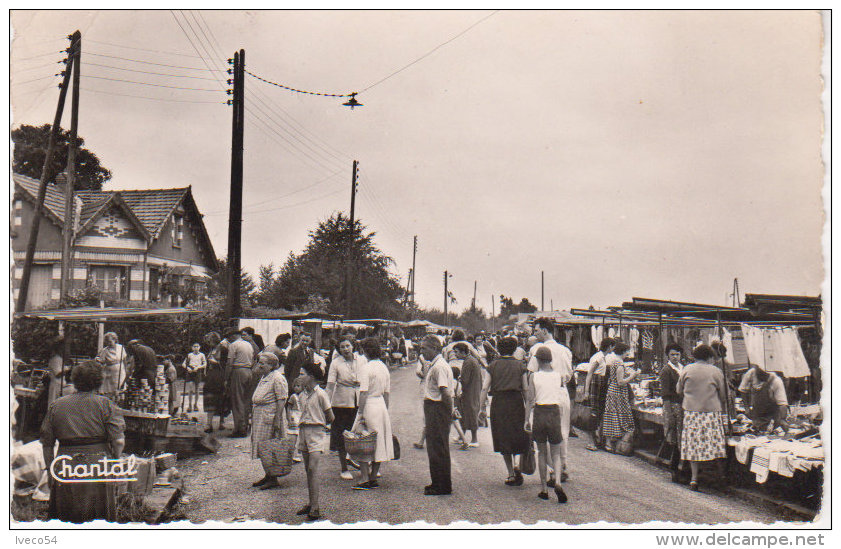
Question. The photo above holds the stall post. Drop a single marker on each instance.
(662, 340)
(724, 371)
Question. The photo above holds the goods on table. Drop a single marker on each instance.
(772, 453)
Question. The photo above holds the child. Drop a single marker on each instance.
(293, 417)
(194, 364)
(544, 398)
(316, 413)
(171, 377)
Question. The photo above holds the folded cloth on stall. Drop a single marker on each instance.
(760, 464)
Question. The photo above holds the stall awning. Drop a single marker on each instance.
(95, 314)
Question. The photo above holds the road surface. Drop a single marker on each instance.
(602, 487)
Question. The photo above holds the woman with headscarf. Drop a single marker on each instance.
(702, 386)
(374, 390)
(268, 407)
(214, 399)
(113, 359)
(90, 424)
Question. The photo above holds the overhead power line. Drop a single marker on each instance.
(433, 50)
(150, 62)
(140, 49)
(150, 84)
(150, 72)
(297, 90)
(152, 98)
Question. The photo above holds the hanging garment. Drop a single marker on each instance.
(647, 340)
(596, 335)
(760, 464)
(776, 350)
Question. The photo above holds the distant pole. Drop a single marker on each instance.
(473, 306)
(233, 302)
(67, 243)
(493, 315)
(446, 298)
(353, 185)
(414, 269)
(42, 191)
(551, 304)
(541, 291)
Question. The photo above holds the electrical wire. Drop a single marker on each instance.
(38, 56)
(52, 64)
(267, 101)
(34, 80)
(297, 90)
(149, 62)
(140, 49)
(433, 50)
(152, 98)
(150, 72)
(296, 191)
(337, 191)
(149, 84)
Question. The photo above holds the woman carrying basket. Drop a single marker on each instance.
(374, 387)
(268, 409)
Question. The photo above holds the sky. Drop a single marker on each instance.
(622, 153)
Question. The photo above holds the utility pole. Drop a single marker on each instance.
(69, 225)
(551, 304)
(541, 291)
(473, 303)
(42, 190)
(493, 315)
(446, 299)
(414, 271)
(233, 305)
(350, 256)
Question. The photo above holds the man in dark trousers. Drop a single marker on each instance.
(240, 360)
(438, 415)
(145, 362)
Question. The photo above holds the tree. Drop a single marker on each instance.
(317, 275)
(218, 284)
(31, 151)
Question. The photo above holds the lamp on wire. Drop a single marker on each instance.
(352, 102)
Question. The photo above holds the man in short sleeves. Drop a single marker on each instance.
(438, 415)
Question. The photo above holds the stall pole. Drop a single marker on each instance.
(724, 370)
(662, 340)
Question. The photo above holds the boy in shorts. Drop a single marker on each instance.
(194, 364)
(316, 413)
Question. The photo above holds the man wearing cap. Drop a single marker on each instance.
(766, 396)
(438, 415)
(561, 363)
(240, 360)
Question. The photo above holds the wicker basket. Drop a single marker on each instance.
(276, 455)
(360, 448)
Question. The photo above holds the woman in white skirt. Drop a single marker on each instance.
(374, 389)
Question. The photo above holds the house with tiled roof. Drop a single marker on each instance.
(125, 242)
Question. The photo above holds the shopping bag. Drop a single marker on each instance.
(528, 463)
(276, 455)
(396, 447)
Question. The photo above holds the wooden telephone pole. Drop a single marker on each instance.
(414, 270)
(69, 225)
(350, 253)
(233, 304)
(542, 308)
(446, 299)
(35, 226)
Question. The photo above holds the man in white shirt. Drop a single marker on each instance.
(561, 363)
(438, 416)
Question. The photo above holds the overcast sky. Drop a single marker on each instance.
(654, 154)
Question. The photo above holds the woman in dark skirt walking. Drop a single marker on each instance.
(213, 393)
(509, 378)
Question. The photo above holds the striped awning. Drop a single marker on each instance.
(100, 314)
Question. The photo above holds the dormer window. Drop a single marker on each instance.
(177, 230)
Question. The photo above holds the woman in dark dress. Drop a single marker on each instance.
(213, 393)
(509, 378)
(471, 392)
(83, 423)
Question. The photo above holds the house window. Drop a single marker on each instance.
(18, 212)
(177, 230)
(154, 285)
(111, 279)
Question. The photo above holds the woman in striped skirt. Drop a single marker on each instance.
(618, 419)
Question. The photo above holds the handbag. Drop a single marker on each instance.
(276, 455)
(396, 447)
(528, 464)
